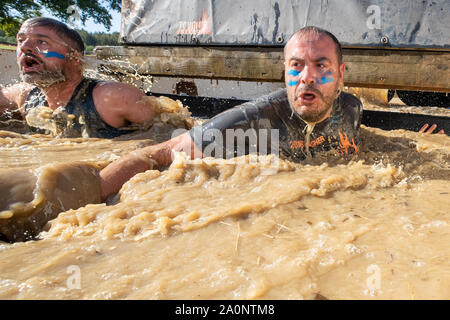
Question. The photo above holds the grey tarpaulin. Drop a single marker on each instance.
(358, 23)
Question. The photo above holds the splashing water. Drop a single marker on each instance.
(117, 70)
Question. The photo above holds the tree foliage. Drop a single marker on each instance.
(6, 39)
(98, 39)
(14, 12)
(90, 39)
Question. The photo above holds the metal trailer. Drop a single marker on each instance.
(403, 44)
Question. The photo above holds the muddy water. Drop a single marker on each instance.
(372, 227)
(42, 175)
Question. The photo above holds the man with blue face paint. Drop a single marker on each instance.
(312, 116)
(49, 56)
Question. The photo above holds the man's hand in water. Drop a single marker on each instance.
(430, 129)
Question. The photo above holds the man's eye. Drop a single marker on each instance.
(296, 65)
(42, 42)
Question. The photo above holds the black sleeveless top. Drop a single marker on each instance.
(81, 105)
(269, 125)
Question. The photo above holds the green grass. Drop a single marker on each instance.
(7, 47)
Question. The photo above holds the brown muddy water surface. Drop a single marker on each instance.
(373, 227)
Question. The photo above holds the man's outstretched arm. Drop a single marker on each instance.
(120, 171)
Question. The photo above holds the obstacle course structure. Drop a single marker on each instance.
(399, 45)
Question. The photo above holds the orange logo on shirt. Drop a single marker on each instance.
(345, 144)
(294, 144)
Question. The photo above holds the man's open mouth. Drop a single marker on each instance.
(308, 97)
(30, 64)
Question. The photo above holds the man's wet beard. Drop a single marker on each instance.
(43, 79)
(316, 115)
(313, 116)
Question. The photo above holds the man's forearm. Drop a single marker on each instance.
(117, 173)
(120, 171)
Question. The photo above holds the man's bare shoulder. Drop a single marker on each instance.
(118, 103)
(115, 89)
(116, 97)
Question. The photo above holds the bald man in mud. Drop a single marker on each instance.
(50, 59)
(311, 116)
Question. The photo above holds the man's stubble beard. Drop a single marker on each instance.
(313, 116)
(44, 78)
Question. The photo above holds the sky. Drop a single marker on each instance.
(93, 27)
(90, 26)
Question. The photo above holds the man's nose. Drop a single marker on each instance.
(307, 76)
(26, 45)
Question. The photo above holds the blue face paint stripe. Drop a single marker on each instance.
(293, 72)
(322, 80)
(53, 54)
(325, 79)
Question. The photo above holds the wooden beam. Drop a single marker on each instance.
(196, 62)
(398, 69)
(378, 68)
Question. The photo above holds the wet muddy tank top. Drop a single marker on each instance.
(269, 125)
(81, 105)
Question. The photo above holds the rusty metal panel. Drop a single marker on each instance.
(357, 23)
